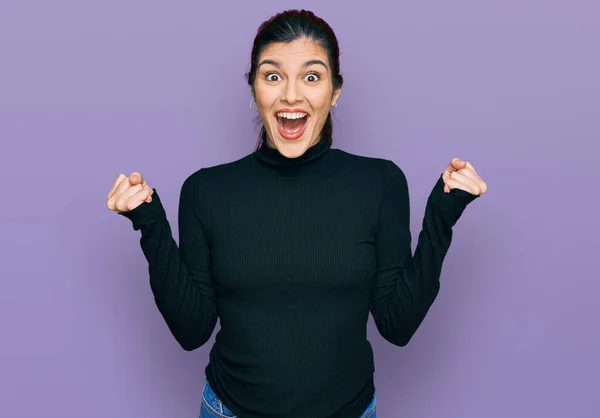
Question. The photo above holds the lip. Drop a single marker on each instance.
(299, 133)
(288, 110)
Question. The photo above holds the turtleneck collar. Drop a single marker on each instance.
(273, 157)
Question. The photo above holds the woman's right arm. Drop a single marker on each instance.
(179, 275)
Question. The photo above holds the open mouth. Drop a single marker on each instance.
(291, 125)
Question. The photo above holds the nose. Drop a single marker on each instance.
(291, 93)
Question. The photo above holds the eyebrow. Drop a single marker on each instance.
(306, 64)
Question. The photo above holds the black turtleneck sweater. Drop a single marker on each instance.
(291, 255)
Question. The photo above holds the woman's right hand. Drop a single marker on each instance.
(127, 193)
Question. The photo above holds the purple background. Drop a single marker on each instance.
(92, 89)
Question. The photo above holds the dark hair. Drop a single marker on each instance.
(289, 26)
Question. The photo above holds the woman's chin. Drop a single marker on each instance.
(292, 148)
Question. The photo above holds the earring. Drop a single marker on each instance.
(251, 103)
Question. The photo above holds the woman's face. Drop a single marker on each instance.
(293, 92)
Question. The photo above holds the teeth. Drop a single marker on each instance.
(291, 115)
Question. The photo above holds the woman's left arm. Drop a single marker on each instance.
(406, 285)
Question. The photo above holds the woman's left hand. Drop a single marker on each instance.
(462, 175)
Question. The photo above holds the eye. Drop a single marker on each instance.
(269, 76)
(312, 77)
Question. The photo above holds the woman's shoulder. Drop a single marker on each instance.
(377, 166)
(219, 173)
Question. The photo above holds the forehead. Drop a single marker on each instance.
(295, 52)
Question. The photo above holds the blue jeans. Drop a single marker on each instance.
(212, 407)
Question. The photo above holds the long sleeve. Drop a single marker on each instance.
(407, 285)
(179, 276)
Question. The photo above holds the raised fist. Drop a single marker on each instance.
(461, 174)
(127, 193)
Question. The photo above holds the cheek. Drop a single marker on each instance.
(264, 104)
(320, 107)
(320, 100)
(265, 97)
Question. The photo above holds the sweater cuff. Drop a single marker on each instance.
(450, 205)
(146, 213)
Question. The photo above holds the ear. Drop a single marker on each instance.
(336, 96)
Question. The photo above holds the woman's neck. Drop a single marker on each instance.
(270, 155)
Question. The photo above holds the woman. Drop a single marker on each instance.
(293, 245)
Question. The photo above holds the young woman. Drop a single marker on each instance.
(293, 245)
